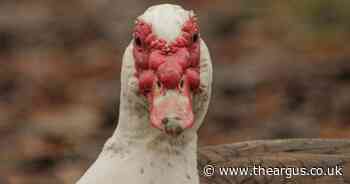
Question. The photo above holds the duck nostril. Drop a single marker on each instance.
(165, 121)
(172, 126)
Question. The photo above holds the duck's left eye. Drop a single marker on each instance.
(195, 38)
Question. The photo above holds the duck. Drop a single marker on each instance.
(166, 79)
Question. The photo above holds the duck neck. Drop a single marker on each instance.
(170, 158)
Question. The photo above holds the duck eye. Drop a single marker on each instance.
(159, 84)
(181, 83)
(195, 38)
(138, 42)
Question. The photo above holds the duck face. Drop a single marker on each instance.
(168, 73)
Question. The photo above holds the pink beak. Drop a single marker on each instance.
(171, 112)
(171, 100)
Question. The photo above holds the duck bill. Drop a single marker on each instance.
(171, 110)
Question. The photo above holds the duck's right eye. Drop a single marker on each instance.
(138, 41)
(181, 84)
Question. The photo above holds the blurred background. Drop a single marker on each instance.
(281, 70)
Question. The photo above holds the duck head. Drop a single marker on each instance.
(172, 67)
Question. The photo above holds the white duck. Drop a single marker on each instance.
(165, 90)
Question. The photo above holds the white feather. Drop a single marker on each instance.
(166, 20)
